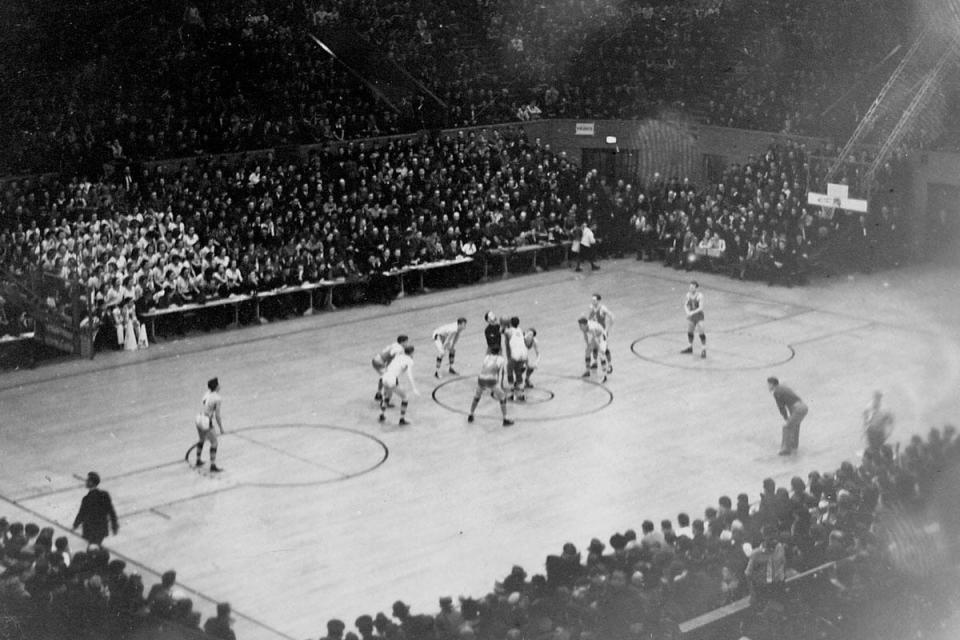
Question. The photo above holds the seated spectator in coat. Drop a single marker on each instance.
(220, 626)
(766, 569)
(161, 598)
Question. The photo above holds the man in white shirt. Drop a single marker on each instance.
(587, 243)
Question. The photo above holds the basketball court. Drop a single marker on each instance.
(323, 512)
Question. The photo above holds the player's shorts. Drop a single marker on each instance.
(517, 367)
(694, 320)
(389, 382)
(493, 386)
(440, 344)
(205, 430)
(378, 364)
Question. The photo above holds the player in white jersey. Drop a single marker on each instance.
(599, 312)
(595, 338)
(533, 355)
(445, 339)
(382, 359)
(693, 307)
(205, 422)
(491, 379)
(516, 357)
(401, 363)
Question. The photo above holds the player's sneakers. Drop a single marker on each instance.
(507, 423)
(586, 374)
(604, 380)
(470, 418)
(378, 397)
(453, 371)
(403, 422)
(688, 350)
(784, 452)
(593, 365)
(528, 385)
(382, 418)
(703, 353)
(520, 397)
(200, 463)
(215, 469)
(609, 368)
(436, 374)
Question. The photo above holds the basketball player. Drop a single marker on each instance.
(382, 359)
(599, 312)
(445, 339)
(491, 379)
(596, 340)
(491, 332)
(401, 363)
(693, 307)
(793, 411)
(517, 358)
(205, 422)
(533, 347)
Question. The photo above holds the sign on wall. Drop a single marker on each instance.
(586, 129)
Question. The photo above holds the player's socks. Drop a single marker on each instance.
(403, 409)
(214, 468)
(213, 458)
(703, 353)
(473, 405)
(382, 417)
(200, 453)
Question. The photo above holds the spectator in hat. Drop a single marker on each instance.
(448, 621)
(219, 627)
(335, 629)
(96, 512)
(364, 625)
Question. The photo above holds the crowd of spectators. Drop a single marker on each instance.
(872, 521)
(228, 76)
(169, 237)
(47, 590)
(754, 221)
(153, 238)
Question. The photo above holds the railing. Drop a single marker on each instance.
(705, 624)
(490, 262)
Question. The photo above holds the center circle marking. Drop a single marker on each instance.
(367, 465)
(604, 397)
(731, 351)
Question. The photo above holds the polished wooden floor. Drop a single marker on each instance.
(323, 512)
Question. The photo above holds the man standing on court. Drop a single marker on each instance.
(693, 307)
(207, 422)
(96, 512)
(793, 411)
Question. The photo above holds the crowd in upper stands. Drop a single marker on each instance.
(640, 585)
(227, 76)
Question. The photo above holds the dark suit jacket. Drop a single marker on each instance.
(96, 512)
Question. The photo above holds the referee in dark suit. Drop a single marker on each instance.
(96, 512)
